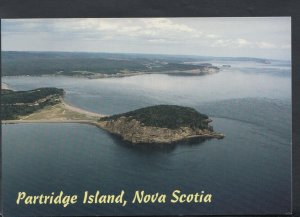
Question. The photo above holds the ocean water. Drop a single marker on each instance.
(248, 172)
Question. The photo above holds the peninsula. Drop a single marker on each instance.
(159, 124)
(41, 105)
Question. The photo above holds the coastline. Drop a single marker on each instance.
(130, 130)
(79, 110)
(121, 75)
(207, 135)
(137, 133)
(46, 121)
(59, 113)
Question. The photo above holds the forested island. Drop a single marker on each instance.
(160, 124)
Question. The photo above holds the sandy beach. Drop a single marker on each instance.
(79, 110)
(49, 121)
(59, 113)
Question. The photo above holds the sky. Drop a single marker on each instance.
(262, 37)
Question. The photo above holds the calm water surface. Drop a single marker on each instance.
(248, 172)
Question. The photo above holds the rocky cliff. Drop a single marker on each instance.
(136, 131)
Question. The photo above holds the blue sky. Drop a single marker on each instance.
(266, 37)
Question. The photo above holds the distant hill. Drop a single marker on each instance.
(56, 63)
(91, 64)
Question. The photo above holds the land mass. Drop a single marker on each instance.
(161, 124)
(41, 105)
(97, 65)
(19, 103)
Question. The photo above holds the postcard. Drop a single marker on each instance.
(146, 116)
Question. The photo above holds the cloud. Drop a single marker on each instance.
(242, 42)
(265, 45)
(149, 29)
(189, 35)
(213, 36)
(165, 24)
(221, 43)
(159, 40)
(143, 29)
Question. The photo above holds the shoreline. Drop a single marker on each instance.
(87, 122)
(131, 131)
(78, 115)
(79, 110)
(47, 121)
(77, 76)
(122, 75)
(98, 125)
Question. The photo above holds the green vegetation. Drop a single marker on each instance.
(18, 103)
(39, 63)
(176, 66)
(167, 116)
(87, 64)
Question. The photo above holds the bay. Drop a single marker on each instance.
(248, 172)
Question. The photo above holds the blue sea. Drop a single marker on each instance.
(247, 172)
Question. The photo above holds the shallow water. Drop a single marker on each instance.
(248, 172)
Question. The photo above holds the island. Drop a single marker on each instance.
(158, 124)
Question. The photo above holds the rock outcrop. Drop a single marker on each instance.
(135, 132)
